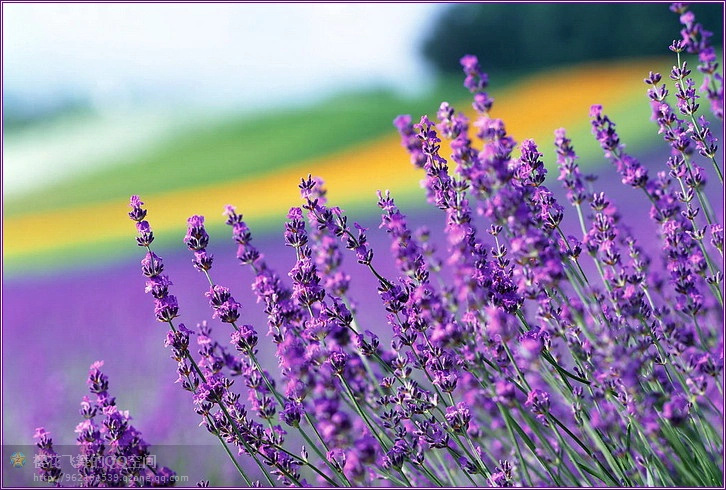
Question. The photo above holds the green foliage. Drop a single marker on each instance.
(525, 36)
(241, 146)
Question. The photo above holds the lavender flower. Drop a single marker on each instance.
(515, 359)
(47, 460)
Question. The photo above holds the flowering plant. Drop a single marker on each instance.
(525, 357)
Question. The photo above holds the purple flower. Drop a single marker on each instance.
(476, 80)
(158, 285)
(396, 456)
(604, 130)
(145, 235)
(97, 381)
(676, 410)
(137, 212)
(409, 140)
(717, 236)
(338, 361)
(483, 102)
(46, 460)
(217, 295)
(246, 252)
(458, 417)
(228, 311)
(197, 240)
(570, 174)
(178, 340)
(306, 281)
(292, 413)
(538, 402)
(151, 265)
(166, 308)
(519, 308)
(502, 477)
(196, 237)
(295, 235)
(505, 392)
(244, 339)
(202, 260)
(108, 450)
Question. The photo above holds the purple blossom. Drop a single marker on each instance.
(109, 450)
(47, 461)
(166, 308)
(196, 237)
(137, 213)
(570, 174)
(145, 235)
(676, 410)
(476, 80)
(197, 240)
(244, 338)
(538, 402)
(602, 349)
(458, 417)
(409, 140)
(151, 265)
(228, 311)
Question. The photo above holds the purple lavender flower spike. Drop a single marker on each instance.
(676, 410)
(502, 477)
(110, 450)
(458, 417)
(409, 140)
(196, 237)
(145, 235)
(244, 338)
(47, 461)
(137, 213)
(476, 80)
(197, 240)
(166, 308)
(538, 402)
(152, 265)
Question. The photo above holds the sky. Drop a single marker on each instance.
(218, 55)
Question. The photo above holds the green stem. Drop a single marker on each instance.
(361, 413)
(305, 463)
(522, 462)
(548, 357)
(234, 460)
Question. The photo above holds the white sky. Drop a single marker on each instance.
(141, 64)
(213, 54)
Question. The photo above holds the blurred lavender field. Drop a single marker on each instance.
(60, 323)
(252, 118)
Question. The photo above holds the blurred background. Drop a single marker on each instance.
(194, 106)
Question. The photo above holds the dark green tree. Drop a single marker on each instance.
(525, 36)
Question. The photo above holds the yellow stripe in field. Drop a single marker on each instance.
(531, 108)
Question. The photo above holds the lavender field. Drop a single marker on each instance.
(538, 316)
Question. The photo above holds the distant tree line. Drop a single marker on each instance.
(533, 35)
